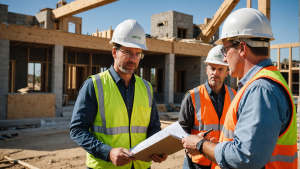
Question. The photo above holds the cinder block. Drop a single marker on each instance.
(4, 49)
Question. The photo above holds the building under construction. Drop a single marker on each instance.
(39, 55)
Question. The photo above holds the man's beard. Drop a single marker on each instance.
(122, 67)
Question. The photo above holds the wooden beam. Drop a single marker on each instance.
(190, 49)
(278, 59)
(249, 3)
(290, 70)
(264, 6)
(209, 29)
(76, 7)
(287, 45)
(66, 73)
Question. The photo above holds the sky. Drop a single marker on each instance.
(284, 13)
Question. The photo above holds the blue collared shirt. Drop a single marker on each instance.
(85, 111)
(263, 114)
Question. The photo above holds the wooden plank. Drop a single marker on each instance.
(45, 36)
(191, 49)
(290, 70)
(40, 135)
(209, 29)
(66, 72)
(159, 45)
(278, 59)
(76, 7)
(22, 163)
(74, 19)
(264, 6)
(249, 3)
(30, 106)
(287, 45)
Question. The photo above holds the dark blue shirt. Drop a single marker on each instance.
(216, 99)
(85, 111)
(187, 118)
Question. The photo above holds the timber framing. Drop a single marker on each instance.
(212, 26)
(35, 37)
(76, 7)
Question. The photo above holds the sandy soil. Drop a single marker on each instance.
(58, 150)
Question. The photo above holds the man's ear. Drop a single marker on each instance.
(114, 53)
(243, 49)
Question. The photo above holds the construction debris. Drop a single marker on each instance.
(20, 162)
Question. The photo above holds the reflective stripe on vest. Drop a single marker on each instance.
(284, 154)
(116, 130)
(201, 127)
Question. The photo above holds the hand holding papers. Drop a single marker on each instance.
(167, 141)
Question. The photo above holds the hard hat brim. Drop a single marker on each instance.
(130, 45)
(216, 62)
(220, 41)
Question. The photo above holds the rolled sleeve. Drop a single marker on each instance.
(260, 120)
(84, 113)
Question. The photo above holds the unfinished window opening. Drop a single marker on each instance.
(284, 58)
(180, 81)
(182, 33)
(72, 27)
(295, 57)
(42, 24)
(162, 24)
(104, 68)
(95, 70)
(34, 76)
(274, 56)
(156, 77)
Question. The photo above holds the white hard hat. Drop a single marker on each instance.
(129, 34)
(215, 56)
(246, 23)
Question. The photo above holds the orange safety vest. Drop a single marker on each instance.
(285, 152)
(206, 116)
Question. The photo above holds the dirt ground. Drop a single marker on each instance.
(52, 147)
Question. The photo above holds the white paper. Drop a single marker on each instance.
(174, 129)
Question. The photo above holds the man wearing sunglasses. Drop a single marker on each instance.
(260, 129)
(116, 110)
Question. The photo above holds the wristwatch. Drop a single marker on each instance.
(200, 145)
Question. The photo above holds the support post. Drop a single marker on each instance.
(264, 6)
(4, 68)
(290, 70)
(57, 77)
(249, 3)
(169, 78)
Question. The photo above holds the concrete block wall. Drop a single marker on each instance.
(57, 77)
(192, 66)
(169, 78)
(184, 21)
(174, 20)
(4, 68)
(203, 75)
(20, 19)
(162, 31)
(3, 13)
(46, 17)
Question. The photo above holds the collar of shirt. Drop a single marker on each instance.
(253, 71)
(116, 76)
(209, 90)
